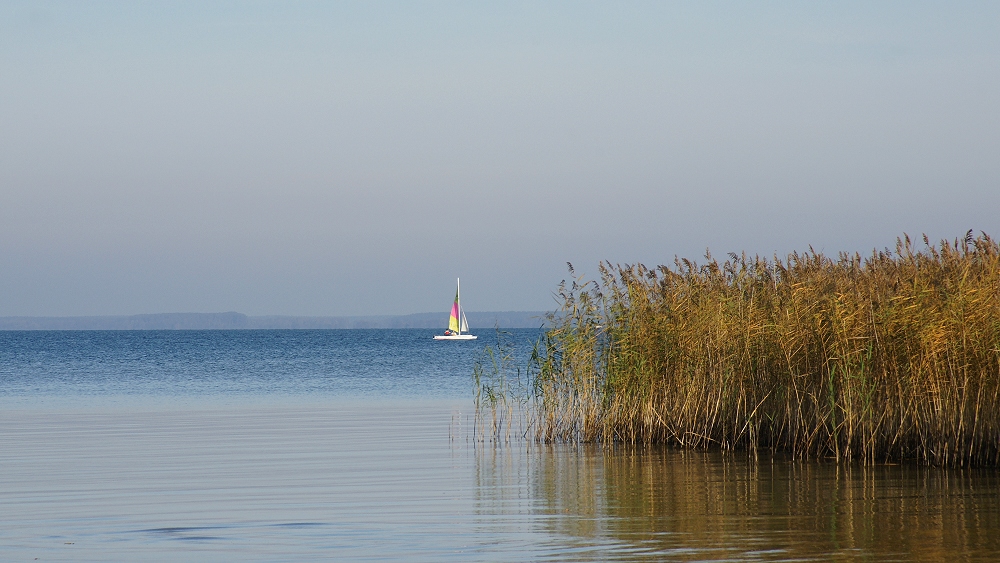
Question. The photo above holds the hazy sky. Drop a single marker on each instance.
(315, 158)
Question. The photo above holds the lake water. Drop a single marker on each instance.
(356, 445)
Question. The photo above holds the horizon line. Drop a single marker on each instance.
(235, 320)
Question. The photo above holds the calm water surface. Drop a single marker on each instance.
(356, 445)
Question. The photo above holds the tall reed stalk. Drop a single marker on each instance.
(889, 357)
(502, 395)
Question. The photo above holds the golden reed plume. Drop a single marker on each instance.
(889, 357)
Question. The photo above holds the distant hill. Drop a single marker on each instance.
(229, 321)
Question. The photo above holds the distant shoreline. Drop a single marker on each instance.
(238, 321)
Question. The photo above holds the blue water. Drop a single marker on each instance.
(360, 445)
(81, 366)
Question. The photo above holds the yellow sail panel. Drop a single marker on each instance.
(453, 319)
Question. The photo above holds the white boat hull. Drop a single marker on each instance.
(455, 337)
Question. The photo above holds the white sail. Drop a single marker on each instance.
(465, 323)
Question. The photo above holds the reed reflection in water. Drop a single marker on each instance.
(405, 481)
(660, 504)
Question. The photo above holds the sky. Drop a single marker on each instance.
(355, 158)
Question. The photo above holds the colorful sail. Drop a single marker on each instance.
(455, 313)
(457, 323)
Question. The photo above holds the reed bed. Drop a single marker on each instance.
(895, 356)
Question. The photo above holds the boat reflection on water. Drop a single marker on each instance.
(665, 504)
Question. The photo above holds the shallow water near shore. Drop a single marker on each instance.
(298, 446)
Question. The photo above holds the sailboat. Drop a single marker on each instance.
(456, 322)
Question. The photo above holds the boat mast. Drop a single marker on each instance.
(458, 300)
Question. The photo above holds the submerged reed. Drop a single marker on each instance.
(890, 357)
